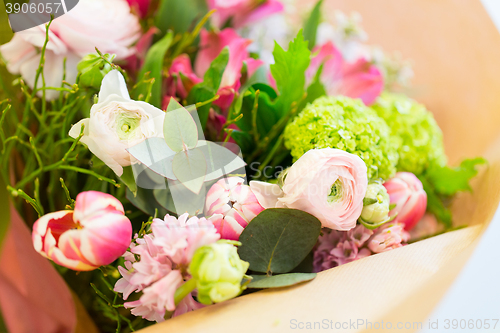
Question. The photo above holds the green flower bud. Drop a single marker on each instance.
(218, 271)
(376, 204)
(93, 69)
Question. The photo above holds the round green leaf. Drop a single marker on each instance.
(179, 128)
(190, 168)
(278, 239)
(277, 281)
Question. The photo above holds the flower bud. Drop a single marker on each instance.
(218, 271)
(407, 193)
(93, 69)
(375, 205)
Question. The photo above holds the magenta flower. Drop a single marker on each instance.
(406, 191)
(358, 79)
(242, 12)
(231, 205)
(140, 6)
(96, 233)
(164, 256)
(181, 77)
(211, 45)
(388, 237)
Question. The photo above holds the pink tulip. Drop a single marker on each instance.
(231, 205)
(96, 233)
(242, 12)
(177, 84)
(358, 79)
(406, 191)
(211, 45)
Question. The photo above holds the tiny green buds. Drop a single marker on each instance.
(218, 271)
(93, 68)
(375, 206)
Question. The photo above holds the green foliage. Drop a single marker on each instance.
(289, 72)
(6, 33)
(278, 239)
(5, 217)
(207, 89)
(311, 25)
(414, 130)
(154, 65)
(347, 124)
(93, 68)
(179, 16)
(279, 281)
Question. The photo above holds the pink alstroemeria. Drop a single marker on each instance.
(358, 79)
(140, 6)
(211, 45)
(406, 191)
(231, 205)
(96, 233)
(242, 12)
(181, 77)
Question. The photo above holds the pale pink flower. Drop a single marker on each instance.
(346, 252)
(242, 12)
(231, 205)
(357, 79)
(359, 235)
(388, 237)
(211, 44)
(427, 226)
(406, 191)
(186, 305)
(181, 77)
(96, 233)
(329, 184)
(164, 256)
(112, 29)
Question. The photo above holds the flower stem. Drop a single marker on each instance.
(184, 290)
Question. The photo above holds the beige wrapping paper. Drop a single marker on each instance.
(456, 51)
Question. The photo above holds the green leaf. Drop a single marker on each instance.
(145, 201)
(179, 129)
(190, 168)
(278, 281)
(311, 25)
(6, 33)
(154, 65)
(207, 89)
(156, 155)
(5, 209)
(316, 89)
(278, 239)
(179, 16)
(436, 204)
(244, 141)
(448, 181)
(268, 112)
(128, 179)
(289, 71)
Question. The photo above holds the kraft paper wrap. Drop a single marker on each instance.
(456, 52)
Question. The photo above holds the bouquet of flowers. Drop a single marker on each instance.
(171, 155)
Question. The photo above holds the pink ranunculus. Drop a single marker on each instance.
(140, 6)
(329, 184)
(357, 79)
(406, 191)
(112, 29)
(96, 233)
(242, 12)
(181, 77)
(211, 45)
(157, 262)
(231, 205)
(388, 237)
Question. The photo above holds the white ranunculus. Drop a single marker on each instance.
(108, 25)
(117, 122)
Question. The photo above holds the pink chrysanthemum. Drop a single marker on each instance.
(163, 258)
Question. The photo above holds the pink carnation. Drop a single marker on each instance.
(164, 255)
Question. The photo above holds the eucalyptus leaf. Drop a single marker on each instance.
(128, 179)
(179, 128)
(278, 281)
(219, 160)
(278, 239)
(145, 201)
(154, 64)
(190, 168)
(156, 155)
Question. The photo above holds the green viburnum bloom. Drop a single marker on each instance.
(419, 138)
(375, 205)
(347, 124)
(218, 271)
